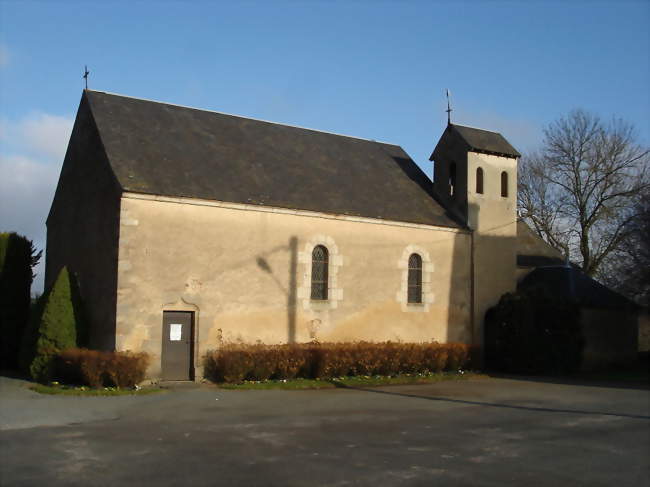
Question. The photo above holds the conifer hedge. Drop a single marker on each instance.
(18, 257)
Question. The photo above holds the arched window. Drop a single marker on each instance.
(452, 178)
(415, 279)
(319, 272)
(504, 184)
(479, 181)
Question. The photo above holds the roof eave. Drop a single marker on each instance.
(493, 153)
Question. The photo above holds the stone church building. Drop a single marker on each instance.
(188, 228)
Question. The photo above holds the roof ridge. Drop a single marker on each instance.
(241, 116)
(476, 128)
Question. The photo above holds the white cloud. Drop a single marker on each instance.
(31, 156)
(42, 134)
(4, 56)
(26, 191)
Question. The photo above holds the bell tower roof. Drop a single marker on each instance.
(479, 140)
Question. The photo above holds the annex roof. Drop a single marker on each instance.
(170, 150)
(571, 283)
(532, 251)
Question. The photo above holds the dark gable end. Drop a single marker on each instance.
(85, 166)
(83, 227)
(168, 150)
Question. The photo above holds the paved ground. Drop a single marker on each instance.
(481, 432)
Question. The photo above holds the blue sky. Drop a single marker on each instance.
(376, 70)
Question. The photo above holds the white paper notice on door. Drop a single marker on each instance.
(175, 332)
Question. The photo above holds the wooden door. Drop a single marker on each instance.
(177, 345)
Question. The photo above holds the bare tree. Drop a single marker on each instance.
(578, 191)
(629, 270)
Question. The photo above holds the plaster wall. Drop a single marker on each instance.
(494, 221)
(245, 272)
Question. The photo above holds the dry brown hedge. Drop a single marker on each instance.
(96, 368)
(238, 362)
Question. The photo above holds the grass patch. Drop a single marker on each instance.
(355, 381)
(405, 379)
(64, 390)
(289, 384)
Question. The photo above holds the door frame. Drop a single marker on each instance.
(184, 306)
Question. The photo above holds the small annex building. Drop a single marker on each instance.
(189, 228)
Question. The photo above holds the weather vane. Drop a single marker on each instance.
(86, 73)
(449, 110)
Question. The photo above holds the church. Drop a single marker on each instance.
(189, 228)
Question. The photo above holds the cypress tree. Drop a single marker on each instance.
(57, 324)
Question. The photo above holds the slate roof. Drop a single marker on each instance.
(571, 283)
(479, 140)
(537, 260)
(169, 150)
(532, 251)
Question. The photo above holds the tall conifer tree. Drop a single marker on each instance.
(57, 325)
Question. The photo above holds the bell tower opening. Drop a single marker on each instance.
(452, 178)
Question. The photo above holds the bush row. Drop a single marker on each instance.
(238, 362)
(95, 368)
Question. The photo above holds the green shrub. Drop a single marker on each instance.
(18, 257)
(234, 363)
(96, 369)
(530, 332)
(57, 324)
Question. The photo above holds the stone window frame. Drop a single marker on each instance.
(428, 296)
(414, 294)
(320, 286)
(334, 292)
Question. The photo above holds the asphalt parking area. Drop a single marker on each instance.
(477, 432)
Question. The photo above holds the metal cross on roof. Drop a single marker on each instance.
(449, 110)
(86, 73)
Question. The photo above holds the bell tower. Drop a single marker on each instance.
(475, 179)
